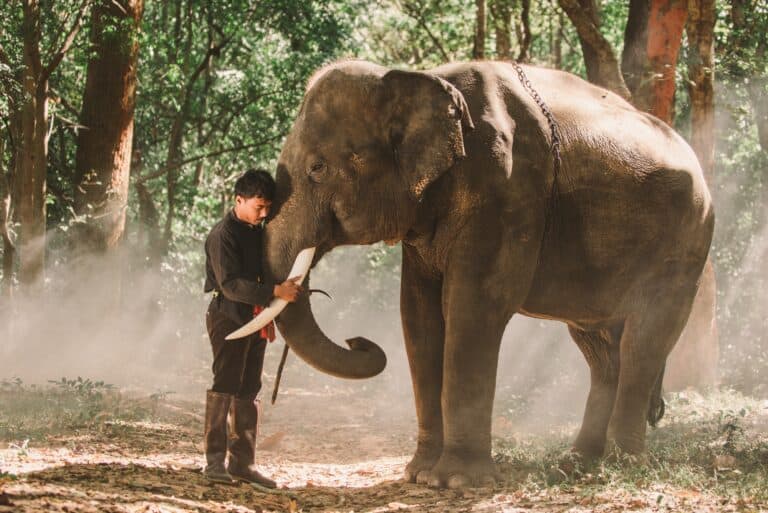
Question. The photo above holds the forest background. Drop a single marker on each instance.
(123, 125)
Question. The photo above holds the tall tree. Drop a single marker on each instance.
(501, 12)
(701, 81)
(9, 89)
(525, 36)
(9, 249)
(652, 41)
(104, 145)
(478, 50)
(601, 62)
(33, 141)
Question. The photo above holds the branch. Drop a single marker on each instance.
(607, 74)
(55, 60)
(176, 165)
(54, 96)
(417, 15)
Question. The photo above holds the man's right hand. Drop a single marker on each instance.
(289, 290)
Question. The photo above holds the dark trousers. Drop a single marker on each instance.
(237, 364)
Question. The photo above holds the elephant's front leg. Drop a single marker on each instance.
(469, 381)
(424, 331)
(483, 286)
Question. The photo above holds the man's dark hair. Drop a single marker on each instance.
(255, 182)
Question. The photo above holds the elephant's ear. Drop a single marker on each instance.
(426, 117)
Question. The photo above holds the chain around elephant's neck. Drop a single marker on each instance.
(555, 134)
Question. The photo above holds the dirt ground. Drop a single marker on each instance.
(328, 451)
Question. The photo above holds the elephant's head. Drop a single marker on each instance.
(366, 144)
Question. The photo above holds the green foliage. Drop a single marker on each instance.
(31, 412)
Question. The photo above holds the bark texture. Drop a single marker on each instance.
(478, 51)
(9, 250)
(501, 10)
(104, 147)
(601, 62)
(701, 79)
(655, 89)
(33, 151)
(525, 31)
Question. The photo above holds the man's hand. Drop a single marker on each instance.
(289, 290)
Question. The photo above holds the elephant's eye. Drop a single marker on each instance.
(316, 171)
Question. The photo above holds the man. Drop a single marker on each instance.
(234, 274)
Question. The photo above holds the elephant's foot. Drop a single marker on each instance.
(452, 471)
(423, 461)
(625, 452)
(588, 450)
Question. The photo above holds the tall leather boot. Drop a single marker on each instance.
(242, 446)
(216, 410)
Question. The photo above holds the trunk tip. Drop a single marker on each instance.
(378, 356)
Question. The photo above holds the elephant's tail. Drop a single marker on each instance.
(657, 407)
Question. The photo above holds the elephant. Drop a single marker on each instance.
(457, 164)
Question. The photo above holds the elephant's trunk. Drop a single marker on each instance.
(298, 326)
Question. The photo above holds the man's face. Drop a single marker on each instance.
(252, 210)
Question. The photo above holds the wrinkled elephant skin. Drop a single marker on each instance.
(456, 163)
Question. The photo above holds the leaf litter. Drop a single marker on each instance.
(327, 454)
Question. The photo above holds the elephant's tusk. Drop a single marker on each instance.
(300, 268)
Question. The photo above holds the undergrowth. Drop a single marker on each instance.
(34, 412)
(717, 442)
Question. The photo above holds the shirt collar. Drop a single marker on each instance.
(234, 218)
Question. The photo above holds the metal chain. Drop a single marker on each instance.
(555, 141)
(547, 114)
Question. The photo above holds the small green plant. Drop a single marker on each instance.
(31, 412)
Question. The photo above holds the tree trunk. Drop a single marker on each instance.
(651, 43)
(701, 78)
(602, 65)
(33, 152)
(558, 49)
(9, 250)
(501, 10)
(104, 147)
(694, 360)
(174, 154)
(478, 51)
(525, 32)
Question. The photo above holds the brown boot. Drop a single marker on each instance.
(242, 446)
(216, 410)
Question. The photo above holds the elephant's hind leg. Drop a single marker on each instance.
(601, 350)
(424, 331)
(648, 338)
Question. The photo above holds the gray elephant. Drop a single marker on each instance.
(457, 164)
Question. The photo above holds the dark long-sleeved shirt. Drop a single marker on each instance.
(233, 269)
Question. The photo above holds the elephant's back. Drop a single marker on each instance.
(601, 133)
